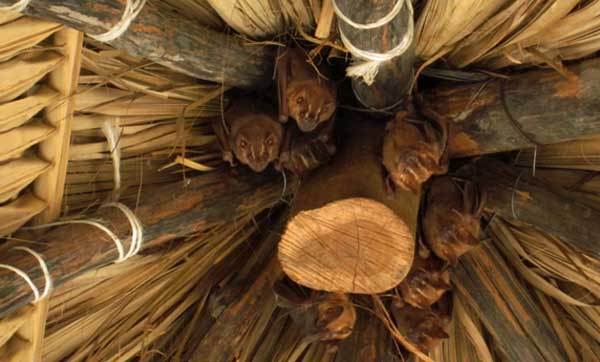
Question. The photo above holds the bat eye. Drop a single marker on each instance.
(270, 142)
(300, 100)
(243, 144)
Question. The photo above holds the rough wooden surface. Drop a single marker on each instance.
(395, 76)
(518, 326)
(166, 213)
(355, 172)
(163, 36)
(537, 107)
(514, 194)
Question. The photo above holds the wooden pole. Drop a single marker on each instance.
(394, 77)
(163, 36)
(349, 233)
(514, 194)
(166, 213)
(537, 107)
(518, 326)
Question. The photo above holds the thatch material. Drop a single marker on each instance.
(155, 113)
(143, 124)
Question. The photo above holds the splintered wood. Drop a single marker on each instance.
(352, 245)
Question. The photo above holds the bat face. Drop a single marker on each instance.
(336, 317)
(310, 104)
(410, 155)
(256, 140)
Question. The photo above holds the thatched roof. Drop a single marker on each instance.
(136, 125)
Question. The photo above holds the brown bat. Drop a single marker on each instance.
(451, 224)
(304, 94)
(413, 152)
(251, 133)
(425, 328)
(304, 152)
(426, 282)
(325, 317)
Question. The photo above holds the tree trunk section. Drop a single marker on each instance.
(166, 213)
(395, 76)
(349, 233)
(513, 194)
(537, 107)
(519, 328)
(163, 36)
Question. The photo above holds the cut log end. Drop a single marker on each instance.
(354, 245)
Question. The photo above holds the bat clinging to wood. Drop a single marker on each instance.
(412, 152)
(304, 152)
(251, 133)
(304, 94)
(426, 282)
(325, 317)
(451, 224)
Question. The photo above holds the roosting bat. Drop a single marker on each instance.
(412, 152)
(426, 282)
(251, 133)
(304, 94)
(451, 224)
(425, 328)
(304, 152)
(325, 317)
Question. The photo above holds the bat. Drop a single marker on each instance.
(451, 223)
(325, 317)
(250, 133)
(425, 328)
(413, 152)
(304, 152)
(426, 282)
(303, 94)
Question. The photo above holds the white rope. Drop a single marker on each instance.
(136, 231)
(367, 64)
(17, 7)
(132, 10)
(22, 274)
(386, 19)
(48, 279)
(112, 132)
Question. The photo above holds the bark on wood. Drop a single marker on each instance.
(538, 107)
(349, 233)
(514, 194)
(395, 76)
(163, 36)
(520, 329)
(166, 213)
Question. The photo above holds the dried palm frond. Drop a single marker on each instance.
(143, 307)
(567, 283)
(256, 19)
(444, 23)
(152, 115)
(197, 10)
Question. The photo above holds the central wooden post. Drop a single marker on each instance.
(349, 232)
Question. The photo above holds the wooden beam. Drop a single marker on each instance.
(514, 194)
(166, 213)
(518, 326)
(33, 331)
(349, 233)
(394, 77)
(50, 186)
(163, 36)
(537, 107)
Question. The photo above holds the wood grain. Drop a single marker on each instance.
(537, 107)
(161, 35)
(166, 212)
